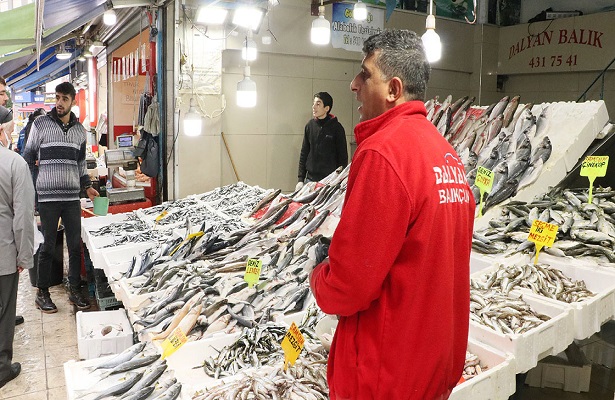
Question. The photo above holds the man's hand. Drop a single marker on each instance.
(19, 269)
(92, 193)
(298, 186)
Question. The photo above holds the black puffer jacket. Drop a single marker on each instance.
(323, 150)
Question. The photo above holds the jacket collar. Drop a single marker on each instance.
(365, 129)
(72, 120)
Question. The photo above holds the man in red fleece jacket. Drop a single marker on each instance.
(398, 267)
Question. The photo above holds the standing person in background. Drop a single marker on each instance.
(16, 240)
(324, 143)
(58, 141)
(399, 260)
(4, 99)
(26, 134)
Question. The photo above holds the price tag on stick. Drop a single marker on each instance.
(253, 271)
(292, 344)
(593, 167)
(542, 234)
(484, 183)
(174, 341)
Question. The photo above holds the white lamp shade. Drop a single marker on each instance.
(432, 45)
(211, 15)
(246, 93)
(192, 124)
(248, 17)
(321, 31)
(109, 17)
(63, 56)
(248, 50)
(359, 12)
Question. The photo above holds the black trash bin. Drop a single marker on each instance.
(57, 265)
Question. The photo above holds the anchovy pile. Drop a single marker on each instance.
(120, 228)
(307, 379)
(511, 142)
(584, 229)
(472, 366)
(542, 279)
(501, 312)
(254, 348)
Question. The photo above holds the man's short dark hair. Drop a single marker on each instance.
(326, 99)
(66, 88)
(2, 81)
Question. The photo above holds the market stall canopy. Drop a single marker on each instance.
(18, 31)
(32, 107)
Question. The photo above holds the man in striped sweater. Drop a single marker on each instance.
(58, 143)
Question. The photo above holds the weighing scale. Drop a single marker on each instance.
(123, 156)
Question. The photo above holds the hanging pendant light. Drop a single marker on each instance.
(321, 28)
(246, 90)
(62, 53)
(359, 12)
(193, 122)
(109, 17)
(431, 40)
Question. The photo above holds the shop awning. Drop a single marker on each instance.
(17, 30)
(50, 72)
(32, 107)
(26, 65)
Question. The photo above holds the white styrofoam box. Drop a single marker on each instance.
(99, 345)
(549, 338)
(495, 383)
(588, 314)
(118, 259)
(129, 297)
(95, 223)
(553, 373)
(480, 262)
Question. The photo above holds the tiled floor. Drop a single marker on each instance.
(46, 341)
(43, 343)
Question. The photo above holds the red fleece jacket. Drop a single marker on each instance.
(398, 270)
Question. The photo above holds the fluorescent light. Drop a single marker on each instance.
(321, 28)
(193, 122)
(359, 12)
(248, 17)
(109, 17)
(246, 90)
(211, 15)
(63, 56)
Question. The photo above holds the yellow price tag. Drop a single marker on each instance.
(253, 271)
(593, 167)
(484, 183)
(292, 344)
(174, 341)
(194, 235)
(160, 216)
(542, 234)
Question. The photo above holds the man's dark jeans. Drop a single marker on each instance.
(50, 213)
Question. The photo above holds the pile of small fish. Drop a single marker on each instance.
(502, 312)
(472, 366)
(510, 141)
(584, 229)
(255, 347)
(307, 379)
(542, 279)
(136, 373)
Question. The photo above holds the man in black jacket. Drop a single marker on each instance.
(324, 143)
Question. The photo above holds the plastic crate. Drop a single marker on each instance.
(554, 372)
(98, 345)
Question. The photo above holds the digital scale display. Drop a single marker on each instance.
(125, 141)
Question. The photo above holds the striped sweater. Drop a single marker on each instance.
(60, 151)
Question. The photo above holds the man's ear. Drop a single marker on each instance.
(327, 109)
(396, 90)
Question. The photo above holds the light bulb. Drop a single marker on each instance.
(109, 17)
(87, 54)
(192, 120)
(431, 40)
(359, 12)
(211, 15)
(248, 50)
(246, 91)
(63, 55)
(321, 28)
(248, 17)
